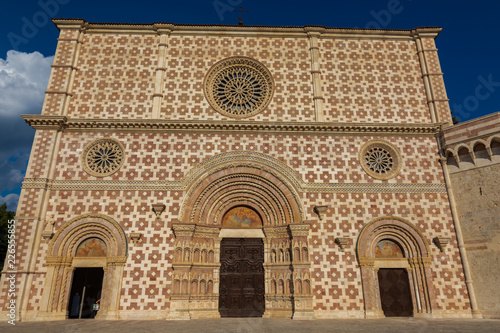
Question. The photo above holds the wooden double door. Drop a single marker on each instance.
(241, 292)
(395, 294)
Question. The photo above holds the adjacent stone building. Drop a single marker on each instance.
(199, 171)
(472, 153)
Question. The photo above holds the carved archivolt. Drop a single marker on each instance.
(242, 178)
(241, 186)
(391, 227)
(80, 228)
(243, 158)
(238, 87)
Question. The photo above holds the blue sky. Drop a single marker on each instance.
(469, 48)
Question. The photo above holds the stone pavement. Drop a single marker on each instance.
(251, 325)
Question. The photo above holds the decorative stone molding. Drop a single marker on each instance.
(441, 242)
(154, 185)
(238, 87)
(103, 157)
(380, 159)
(158, 209)
(320, 210)
(215, 126)
(45, 122)
(255, 31)
(135, 237)
(342, 242)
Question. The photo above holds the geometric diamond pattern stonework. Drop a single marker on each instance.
(238, 87)
(103, 157)
(160, 76)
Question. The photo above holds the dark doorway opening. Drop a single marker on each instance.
(241, 292)
(395, 292)
(85, 292)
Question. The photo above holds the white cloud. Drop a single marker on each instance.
(16, 176)
(11, 200)
(23, 81)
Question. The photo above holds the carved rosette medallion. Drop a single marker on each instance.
(103, 157)
(380, 159)
(238, 87)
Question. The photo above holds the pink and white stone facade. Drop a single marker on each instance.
(334, 90)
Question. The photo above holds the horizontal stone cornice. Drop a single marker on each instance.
(239, 127)
(162, 185)
(224, 29)
(45, 122)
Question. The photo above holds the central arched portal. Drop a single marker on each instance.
(241, 245)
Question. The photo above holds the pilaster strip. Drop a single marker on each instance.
(314, 33)
(425, 77)
(164, 33)
(74, 69)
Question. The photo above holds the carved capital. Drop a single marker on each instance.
(276, 232)
(158, 209)
(301, 229)
(366, 262)
(58, 261)
(320, 210)
(186, 230)
(206, 231)
(135, 237)
(342, 242)
(116, 261)
(441, 242)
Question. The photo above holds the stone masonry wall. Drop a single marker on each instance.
(477, 193)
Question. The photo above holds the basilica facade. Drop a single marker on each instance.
(206, 171)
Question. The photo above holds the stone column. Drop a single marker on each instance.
(58, 270)
(111, 289)
(371, 293)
